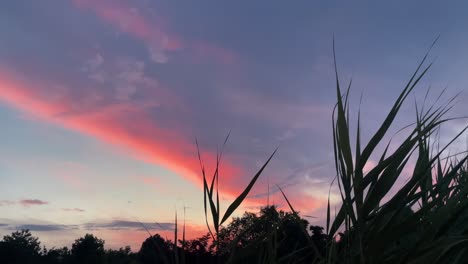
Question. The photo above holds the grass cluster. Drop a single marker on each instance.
(424, 221)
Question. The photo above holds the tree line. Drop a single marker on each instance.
(239, 241)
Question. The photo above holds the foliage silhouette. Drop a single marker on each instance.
(20, 247)
(279, 230)
(121, 256)
(155, 250)
(56, 256)
(88, 249)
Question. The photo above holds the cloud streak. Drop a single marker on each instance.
(111, 225)
(76, 210)
(43, 228)
(24, 202)
(110, 121)
(32, 202)
(129, 225)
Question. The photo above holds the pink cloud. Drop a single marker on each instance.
(32, 202)
(131, 126)
(111, 123)
(153, 31)
(128, 20)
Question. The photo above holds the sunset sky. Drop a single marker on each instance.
(101, 103)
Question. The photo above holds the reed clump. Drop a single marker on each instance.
(424, 221)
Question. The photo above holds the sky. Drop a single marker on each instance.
(101, 103)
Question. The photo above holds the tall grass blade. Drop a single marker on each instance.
(246, 191)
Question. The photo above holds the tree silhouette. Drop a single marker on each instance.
(20, 247)
(278, 231)
(155, 250)
(88, 249)
(198, 250)
(121, 256)
(319, 238)
(56, 256)
(197, 246)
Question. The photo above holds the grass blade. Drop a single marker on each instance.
(237, 202)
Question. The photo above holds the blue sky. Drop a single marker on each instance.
(101, 101)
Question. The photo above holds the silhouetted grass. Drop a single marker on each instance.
(425, 221)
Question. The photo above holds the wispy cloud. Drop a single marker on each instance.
(77, 210)
(132, 225)
(128, 20)
(6, 202)
(44, 228)
(23, 202)
(32, 202)
(154, 31)
(110, 225)
(127, 79)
